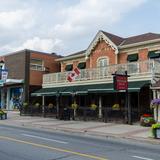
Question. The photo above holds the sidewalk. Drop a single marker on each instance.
(100, 129)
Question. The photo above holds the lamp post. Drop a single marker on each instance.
(1, 66)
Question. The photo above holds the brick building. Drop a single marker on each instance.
(25, 72)
(105, 55)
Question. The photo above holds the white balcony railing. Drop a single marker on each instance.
(133, 69)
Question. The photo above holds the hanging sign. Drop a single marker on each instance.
(120, 82)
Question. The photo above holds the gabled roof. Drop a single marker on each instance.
(114, 38)
(140, 38)
(116, 42)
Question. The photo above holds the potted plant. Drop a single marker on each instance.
(156, 130)
(147, 120)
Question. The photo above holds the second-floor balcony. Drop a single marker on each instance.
(141, 69)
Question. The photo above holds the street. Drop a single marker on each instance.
(30, 144)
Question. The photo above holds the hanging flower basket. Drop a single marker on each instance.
(50, 105)
(74, 105)
(93, 107)
(37, 105)
(116, 107)
(155, 103)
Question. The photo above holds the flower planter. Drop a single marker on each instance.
(156, 130)
(146, 120)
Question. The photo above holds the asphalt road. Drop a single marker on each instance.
(29, 144)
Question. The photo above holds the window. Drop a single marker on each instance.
(102, 64)
(69, 67)
(36, 64)
(133, 66)
(82, 65)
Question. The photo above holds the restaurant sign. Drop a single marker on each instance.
(120, 82)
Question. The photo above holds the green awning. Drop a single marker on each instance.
(132, 57)
(48, 91)
(82, 65)
(69, 67)
(108, 88)
(85, 89)
(153, 54)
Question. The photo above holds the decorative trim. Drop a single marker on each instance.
(99, 37)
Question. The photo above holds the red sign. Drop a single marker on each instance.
(120, 82)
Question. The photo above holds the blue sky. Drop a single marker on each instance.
(68, 26)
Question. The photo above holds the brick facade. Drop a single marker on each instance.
(102, 50)
(16, 65)
(143, 54)
(49, 63)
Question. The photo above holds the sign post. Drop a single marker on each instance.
(121, 83)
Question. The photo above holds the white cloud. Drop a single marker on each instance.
(45, 45)
(16, 18)
(93, 14)
(54, 26)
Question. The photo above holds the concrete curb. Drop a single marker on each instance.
(88, 133)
